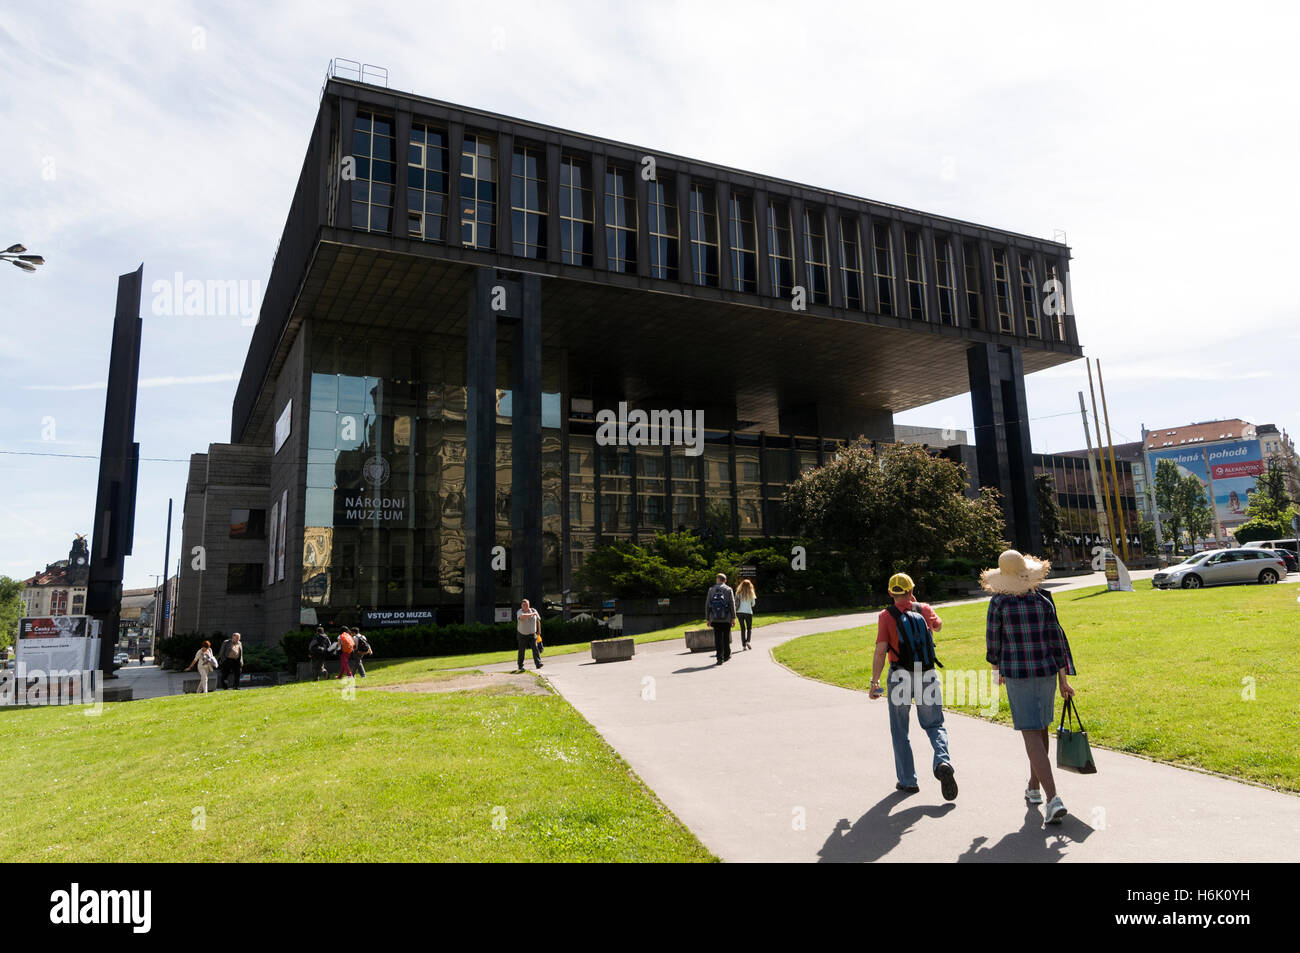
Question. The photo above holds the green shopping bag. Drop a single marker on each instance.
(1072, 750)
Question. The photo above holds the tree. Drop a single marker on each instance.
(1192, 509)
(11, 608)
(1049, 511)
(896, 508)
(1147, 531)
(1269, 510)
(1167, 480)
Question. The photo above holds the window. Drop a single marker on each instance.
(59, 602)
(663, 230)
(1002, 290)
(780, 251)
(704, 235)
(814, 256)
(478, 192)
(1061, 301)
(528, 203)
(79, 603)
(915, 275)
(743, 242)
(974, 287)
(945, 282)
(577, 217)
(882, 264)
(372, 189)
(1029, 295)
(620, 220)
(244, 577)
(248, 524)
(850, 263)
(426, 184)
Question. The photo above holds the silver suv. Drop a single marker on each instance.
(1222, 567)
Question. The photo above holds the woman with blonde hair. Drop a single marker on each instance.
(207, 663)
(1030, 655)
(745, 601)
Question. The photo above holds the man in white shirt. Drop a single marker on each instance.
(529, 627)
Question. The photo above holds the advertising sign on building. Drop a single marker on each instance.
(388, 618)
(283, 425)
(1227, 471)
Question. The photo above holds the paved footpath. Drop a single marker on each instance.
(765, 765)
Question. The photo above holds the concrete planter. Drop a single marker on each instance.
(700, 640)
(613, 650)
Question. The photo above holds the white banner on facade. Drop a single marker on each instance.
(284, 526)
(273, 526)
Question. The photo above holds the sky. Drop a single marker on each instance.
(1160, 138)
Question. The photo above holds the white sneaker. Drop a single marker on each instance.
(1055, 811)
(1034, 795)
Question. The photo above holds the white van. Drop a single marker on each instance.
(1291, 544)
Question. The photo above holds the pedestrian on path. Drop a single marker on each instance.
(231, 657)
(746, 599)
(720, 610)
(904, 635)
(206, 663)
(361, 649)
(528, 629)
(318, 651)
(1030, 655)
(345, 646)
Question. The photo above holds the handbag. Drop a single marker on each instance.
(1072, 750)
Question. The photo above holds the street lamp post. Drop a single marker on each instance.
(14, 254)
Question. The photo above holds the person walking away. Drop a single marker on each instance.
(231, 657)
(318, 651)
(346, 645)
(361, 649)
(528, 626)
(720, 611)
(1031, 657)
(904, 635)
(746, 598)
(206, 663)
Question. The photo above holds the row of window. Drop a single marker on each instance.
(534, 226)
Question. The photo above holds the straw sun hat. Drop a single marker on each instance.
(1015, 575)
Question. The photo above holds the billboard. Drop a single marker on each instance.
(1227, 471)
(57, 643)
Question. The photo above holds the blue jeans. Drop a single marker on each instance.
(929, 714)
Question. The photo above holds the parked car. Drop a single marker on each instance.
(121, 658)
(1291, 559)
(1292, 544)
(1222, 567)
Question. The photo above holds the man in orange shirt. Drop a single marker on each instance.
(903, 634)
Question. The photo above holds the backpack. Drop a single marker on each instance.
(719, 605)
(915, 643)
(362, 646)
(319, 647)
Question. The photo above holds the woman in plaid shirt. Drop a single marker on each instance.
(1030, 655)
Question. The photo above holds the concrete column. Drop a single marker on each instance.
(526, 446)
(834, 265)
(764, 262)
(505, 171)
(480, 449)
(685, 250)
(726, 279)
(1002, 444)
(401, 146)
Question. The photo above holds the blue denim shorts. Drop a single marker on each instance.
(1032, 702)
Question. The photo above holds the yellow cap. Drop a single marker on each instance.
(899, 583)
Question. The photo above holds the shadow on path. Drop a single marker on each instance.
(877, 832)
(1033, 843)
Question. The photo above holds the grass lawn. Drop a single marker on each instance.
(301, 772)
(1164, 674)
(435, 663)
